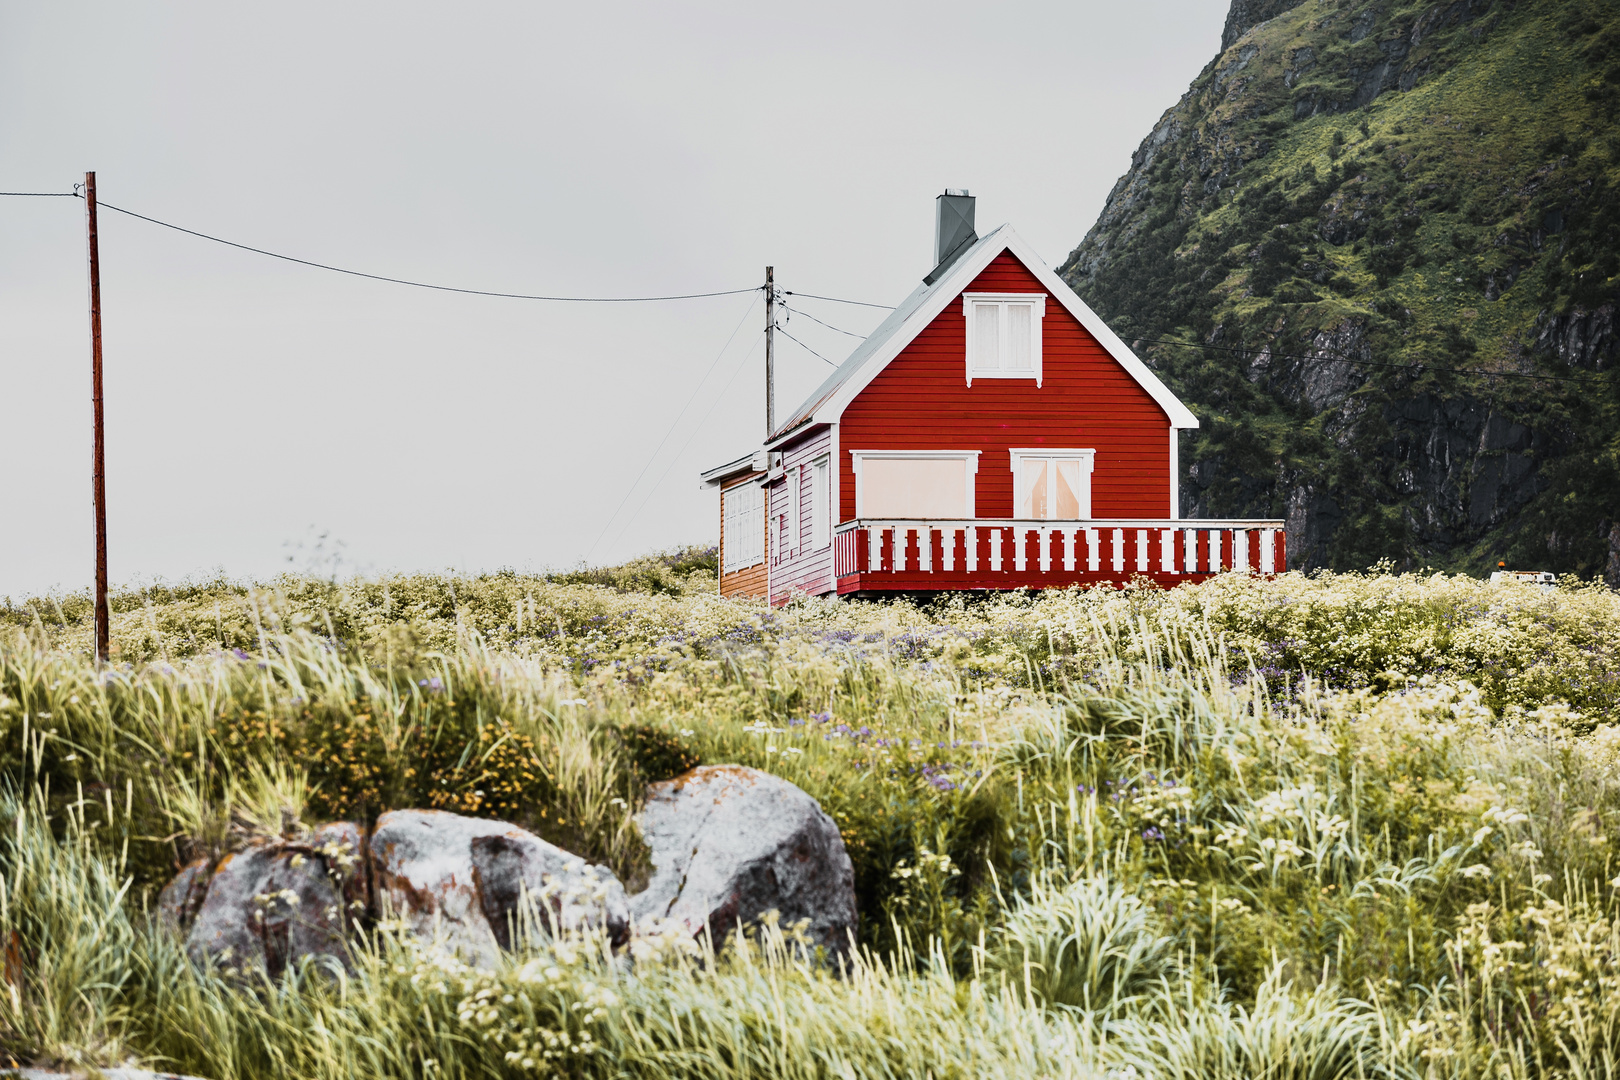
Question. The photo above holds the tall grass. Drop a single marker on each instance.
(1092, 833)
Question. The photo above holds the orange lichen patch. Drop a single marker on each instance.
(704, 774)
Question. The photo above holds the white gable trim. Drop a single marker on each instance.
(956, 281)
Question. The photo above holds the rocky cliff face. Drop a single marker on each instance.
(1376, 247)
(1245, 15)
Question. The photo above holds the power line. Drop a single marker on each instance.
(424, 284)
(447, 288)
(1375, 363)
(836, 300)
(805, 347)
(828, 325)
(678, 417)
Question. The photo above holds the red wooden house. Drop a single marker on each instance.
(992, 433)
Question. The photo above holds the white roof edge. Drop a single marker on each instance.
(711, 477)
(1180, 415)
(956, 279)
(794, 433)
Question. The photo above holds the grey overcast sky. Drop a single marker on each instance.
(584, 149)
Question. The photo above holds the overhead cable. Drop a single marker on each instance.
(424, 284)
(805, 347)
(1376, 363)
(836, 300)
(443, 288)
(828, 325)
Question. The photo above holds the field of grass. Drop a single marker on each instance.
(1328, 826)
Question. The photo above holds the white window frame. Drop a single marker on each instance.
(1086, 458)
(795, 509)
(969, 459)
(976, 366)
(735, 520)
(821, 503)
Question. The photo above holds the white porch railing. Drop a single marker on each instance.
(1113, 549)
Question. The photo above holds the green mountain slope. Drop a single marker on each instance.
(1350, 203)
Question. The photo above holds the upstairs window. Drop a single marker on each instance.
(742, 526)
(1052, 485)
(1004, 335)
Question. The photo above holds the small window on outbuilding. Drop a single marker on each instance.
(742, 510)
(1004, 335)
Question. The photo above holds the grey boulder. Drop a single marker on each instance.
(271, 904)
(730, 844)
(474, 883)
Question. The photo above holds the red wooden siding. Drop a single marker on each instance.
(921, 401)
(799, 565)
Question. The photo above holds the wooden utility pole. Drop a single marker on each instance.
(98, 465)
(770, 351)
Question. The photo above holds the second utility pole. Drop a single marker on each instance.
(98, 464)
(770, 352)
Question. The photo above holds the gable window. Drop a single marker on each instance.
(914, 483)
(1052, 485)
(742, 516)
(1004, 335)
(820, 504)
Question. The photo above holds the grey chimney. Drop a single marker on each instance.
(953, 229)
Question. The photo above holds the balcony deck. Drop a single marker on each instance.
(876, 556)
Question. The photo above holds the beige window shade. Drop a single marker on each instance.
(914, 488)
(1052, 486)
(1032, 482)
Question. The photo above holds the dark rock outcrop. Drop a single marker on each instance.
(1581, 339)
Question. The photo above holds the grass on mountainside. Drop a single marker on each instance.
(1436, 228)
(1333, 826)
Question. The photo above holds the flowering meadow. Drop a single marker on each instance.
(1313, 826)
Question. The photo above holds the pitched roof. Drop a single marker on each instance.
(924, 305)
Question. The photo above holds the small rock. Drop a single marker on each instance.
(267, 906)
(730, 844)
(465, 878)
